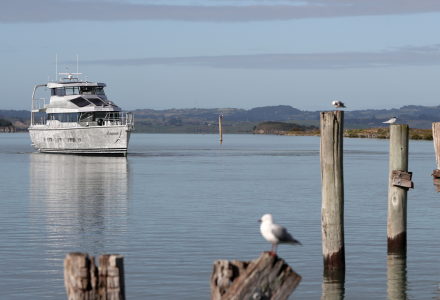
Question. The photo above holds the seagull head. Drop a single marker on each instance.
(266, 218)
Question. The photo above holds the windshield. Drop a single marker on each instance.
(92, 90)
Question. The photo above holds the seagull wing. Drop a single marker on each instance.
(282, 235)
(341, 104)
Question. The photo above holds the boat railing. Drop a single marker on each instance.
(124, 118)
(40, 103)
(58, 124)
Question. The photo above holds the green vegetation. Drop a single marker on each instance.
(415, 136)
(428, 137)
(282, 128)
(383, 133)
(5, 123)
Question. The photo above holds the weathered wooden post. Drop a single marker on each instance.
(436, 136)
(220, 128)
(396, 273)
(266, 278)
(80, 276)
(332, 180)
(111, 277)
(84, 281)
(397, 195)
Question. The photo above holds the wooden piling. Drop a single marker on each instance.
(436, 136)
(397, 196)
(266, 278)
(111, 277)
(84, 281)
(332, 180)
(220, 128)
(80, 276)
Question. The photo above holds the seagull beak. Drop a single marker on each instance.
(260, 221)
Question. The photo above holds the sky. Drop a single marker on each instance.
(163, 54)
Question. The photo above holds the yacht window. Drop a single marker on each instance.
(57, 92)
(114, 116)
(99, 90)
(72, 90)
(100, 115)
(97, 101)
(80, 102)
(86, 117)
(111, 116)
(70, 117)
(87, 90)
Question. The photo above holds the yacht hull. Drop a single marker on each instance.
(96, 140)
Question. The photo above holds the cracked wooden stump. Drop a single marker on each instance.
(267, 277)
(84, 281)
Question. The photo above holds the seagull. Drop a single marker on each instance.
(392, 120)
(338, 104)
(275, 234)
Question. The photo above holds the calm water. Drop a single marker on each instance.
(177, 203)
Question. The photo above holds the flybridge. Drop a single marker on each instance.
(71, 94)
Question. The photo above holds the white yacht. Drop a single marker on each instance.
(79, 119)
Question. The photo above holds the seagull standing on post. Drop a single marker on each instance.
(392, 120)
(338, 104)
(275, 234)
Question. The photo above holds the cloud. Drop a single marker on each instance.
(393, 57)
(15, 11)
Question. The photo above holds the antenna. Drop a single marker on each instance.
(77, 65)
(56, 67)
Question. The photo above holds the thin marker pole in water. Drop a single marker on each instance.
(436, 138)
(220, 127)
(332, 180)
(397, 196)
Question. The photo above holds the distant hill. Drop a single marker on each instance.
(416, 116)
(24, 114)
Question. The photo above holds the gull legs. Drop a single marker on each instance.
(271, 250)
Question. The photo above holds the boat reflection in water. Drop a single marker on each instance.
(81, 200)
(333, 287)
(397, 279)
